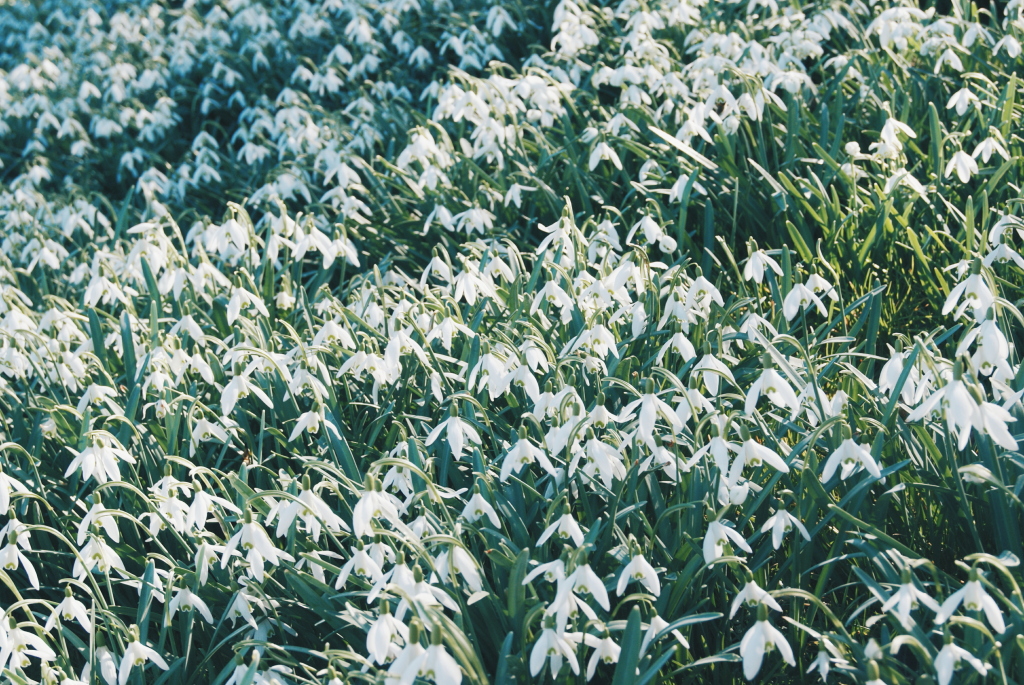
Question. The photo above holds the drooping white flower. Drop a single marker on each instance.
(373, 504)
(851, 457)
(712, 371)
(772, 385)
(963, 164)
(951, 657)
(457, 431)
(360, 563)
(69, 608)
(961, 100)
(641, 570)
(800, 297)
(754, 269)
(381, 638)
(605, 651)
(718, 537)
(651, 408)
(477, 507)
(437, 665)
(567, 529)
(100, 459)
(522, 453)
(752, 595)
(253, 540)
(558, 647)
(780, 523)
(186, 600)
(906, 599)
(762, 638)
(974, 598)
(137, 654)
(603, 151)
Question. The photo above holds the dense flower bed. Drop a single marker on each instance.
(635, 343)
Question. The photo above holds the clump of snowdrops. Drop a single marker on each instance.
(638, 343)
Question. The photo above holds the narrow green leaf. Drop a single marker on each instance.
(629, 657)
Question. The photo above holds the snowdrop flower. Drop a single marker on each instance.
(763, 637)
(96, 556)
(639, 569)
(963, 164)
(754, 269)
(137, 654)
(567, 529)
(256, 543)
(583, 579)
(719, 538)
(554, 295)
(12, 558)
(205, 430)
(679, 344)
(553, 572)
(240, 386)
(691, 403)
(1008, 43)
(712, 371)
(907, 598)
(8, 486)
(104, 661)
(654, 234)
(651, 408)
(752, 453)
(241, 298)
(186, 600)
(477, 507)
(307, 421)
(310, 509)
(818, 284)
(658, 626)
(456, 560)
(603, 151)
(18, 645)
(602, 460)
(991, 419)
(961, 100)
(522, 453)
(987, 147)
(801, 297)
(851, 457)
(100, 459)
(458, 432)
(202, 507)
(752, 595)
(515, 193)
(951, 657)
(605, 651)
(556, 647)
(374, 504)
(773, 386)
(68, 609)
(780, 523)
(405, 667)
(893, 369)
(362, 564)
(974, 598)
(434, 664)
(700, 295)
(380, 639)
(823, 662)
(960, 409)
(445, 331)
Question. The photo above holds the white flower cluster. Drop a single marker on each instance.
(481, 374)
